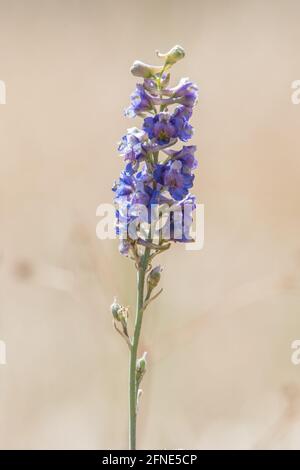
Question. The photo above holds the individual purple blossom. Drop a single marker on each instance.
(124, 247)
(164, 127)
(141, 102)
(186, 155)
(185, 93)
(131, 189)
(180, 120)
(175, 178)
(160, 127)
(134, 195)
(132, 145)
(181, 220)
(183, 113)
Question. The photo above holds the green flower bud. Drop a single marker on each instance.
(154, 277)
(142, 363)
(116, 310)
(174, 55)
(141, 368)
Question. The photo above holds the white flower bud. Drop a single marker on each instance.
(140, 69)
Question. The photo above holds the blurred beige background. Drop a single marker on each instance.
(219, 338)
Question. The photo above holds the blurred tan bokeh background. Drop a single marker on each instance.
(219, 338)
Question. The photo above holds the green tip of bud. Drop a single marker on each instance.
(174, 55)
(141, 364)
(154, 277)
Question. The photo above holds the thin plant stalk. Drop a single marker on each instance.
(134, 348)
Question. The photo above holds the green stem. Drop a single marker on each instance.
(134, 349)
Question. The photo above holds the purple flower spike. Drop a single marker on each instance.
(153, 204)
(146, 180)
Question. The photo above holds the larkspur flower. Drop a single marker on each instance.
(138, 189)
(185, 93)
(134, 196)
(180, 120)
(175, 178)
(124, 247)
(160, 128)
(186, 155)
(153, 203)
(132, 145)
(141, 102)
(181, 219)
(164, 127)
